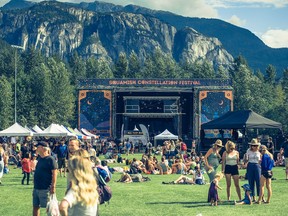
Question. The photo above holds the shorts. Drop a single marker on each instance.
(199, 181)
(40, 197)
(231, 169)
(286, 163)
(267, 174)
(61, 163)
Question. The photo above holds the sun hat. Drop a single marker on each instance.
(218, 142)
(254, 142)
(246, 187)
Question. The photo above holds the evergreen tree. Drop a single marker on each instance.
(62, 98)
(121, 67)
(105, 71)
(6, 102)
(134, 66)
(92, 68)
(148, 69)
(222, 73)
(78, 68)
(270, 75)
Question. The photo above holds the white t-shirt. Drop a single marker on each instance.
(77, 209)
(253, 157)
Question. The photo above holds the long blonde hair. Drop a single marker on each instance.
(83, 182)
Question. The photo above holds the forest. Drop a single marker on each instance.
(46, 87)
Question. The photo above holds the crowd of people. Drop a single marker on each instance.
(45, 160)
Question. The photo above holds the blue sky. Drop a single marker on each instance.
(268, 19)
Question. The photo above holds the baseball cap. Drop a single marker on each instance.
(41, 143)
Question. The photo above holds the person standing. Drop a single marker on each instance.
(26, 168)
(45, 178)
(267, 164)
(253, 157)
(285, 149)
(270, 145)
(230, 161)
(82, 196)
(211, 159)
(3, 162)
(73, 146)
(62, 155)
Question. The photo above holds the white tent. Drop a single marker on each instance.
(83, 136)
(37, 129)
(16, 130)
(165, 135)
(84, 131)
(53, 130)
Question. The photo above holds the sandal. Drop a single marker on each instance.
(266, 202)
(257, 202)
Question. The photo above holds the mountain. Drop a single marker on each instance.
(60, 28)
(237, 41)
(17, 4)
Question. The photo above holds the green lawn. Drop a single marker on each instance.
(149, 198)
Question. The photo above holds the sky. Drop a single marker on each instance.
(267, 19)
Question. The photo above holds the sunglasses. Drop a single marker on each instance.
(254, 145)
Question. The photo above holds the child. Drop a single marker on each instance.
(247, 199)
(33, 164)
(198, 176)
(213, 197)
(26, 167)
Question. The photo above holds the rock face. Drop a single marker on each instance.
(59, 29)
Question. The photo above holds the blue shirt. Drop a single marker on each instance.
(267, 163)
(62, 151)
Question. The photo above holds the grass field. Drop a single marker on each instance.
(150, 198)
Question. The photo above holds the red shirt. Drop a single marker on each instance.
(26, 165)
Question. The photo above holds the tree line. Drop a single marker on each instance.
(46, 86)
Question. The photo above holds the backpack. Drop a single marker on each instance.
(105, 193)
(183, 146)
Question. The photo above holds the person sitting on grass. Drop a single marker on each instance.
(198, 176)
(127, 178)
(163, 167)
(179, 167)
(182, 180)
(247, 198)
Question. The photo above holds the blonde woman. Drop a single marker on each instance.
(3, 162)
(230, 161)
(82, 196)
(267, 164)
(212, 158)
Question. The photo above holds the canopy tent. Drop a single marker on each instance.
(54, 130)
(165, 135)
(78, 133)
(84, 131)
(37, 129)
(16, 130)
(240, 120)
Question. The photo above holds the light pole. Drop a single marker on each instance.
(15, 83)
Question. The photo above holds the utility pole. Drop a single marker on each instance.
(15, 83)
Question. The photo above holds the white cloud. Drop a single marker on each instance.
(237, 21)
(192, 8)
(247, 3)
(275, 38)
